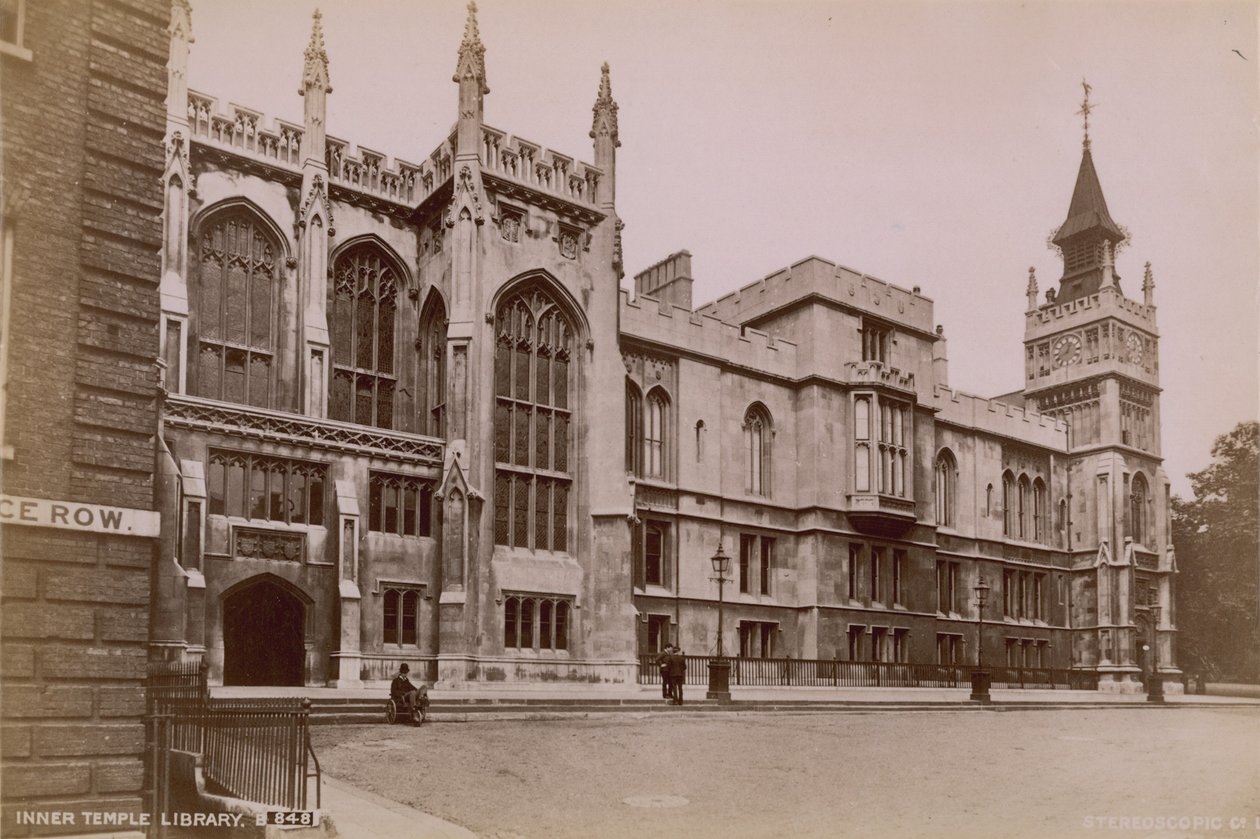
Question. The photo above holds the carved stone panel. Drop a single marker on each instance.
(256, 543)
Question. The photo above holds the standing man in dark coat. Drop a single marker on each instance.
(662, 661)
(677, 673)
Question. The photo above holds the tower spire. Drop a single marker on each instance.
(472, 53)
(314, 90)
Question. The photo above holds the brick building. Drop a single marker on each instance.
(81, 110)
(413, 417)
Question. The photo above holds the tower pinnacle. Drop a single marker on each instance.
(472, 53)
(604, 123)
(315, 71)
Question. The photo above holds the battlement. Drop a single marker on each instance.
(996, 417)
(663, 323)
(249, 133)
(815, 275)
(532, 165)
(1107, 300)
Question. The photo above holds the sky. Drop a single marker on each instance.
(924, 143)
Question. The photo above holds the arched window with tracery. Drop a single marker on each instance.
(431, 377)
(758, 434)
(655, 448)
(634, 429)
(237, 274)
(1008, 505)
(362, 316)
(946, 488)
(533, 386)
(1138, 519)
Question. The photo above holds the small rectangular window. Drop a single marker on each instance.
(747, 545)
(767, 563)
(855, 559)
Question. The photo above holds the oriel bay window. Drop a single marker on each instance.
(235, 311)
(258, 486)
(362, 312)
(532, 416)
(532, 622)
(882, 445)
(400, 504)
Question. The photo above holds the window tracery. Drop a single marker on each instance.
(532, 417)
(362, 320)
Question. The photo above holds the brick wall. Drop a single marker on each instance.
(82, 141)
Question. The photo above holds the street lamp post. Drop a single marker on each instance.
(980, 676)
(719, 666)
(1155, 688)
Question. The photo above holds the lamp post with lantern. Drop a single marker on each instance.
(980, 676)
(719, 666)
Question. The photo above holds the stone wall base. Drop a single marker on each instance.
(471, 672)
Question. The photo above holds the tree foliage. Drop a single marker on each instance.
(1216, 536)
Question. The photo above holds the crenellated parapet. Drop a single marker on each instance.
(527, 164)
(1106, 301)
(819, 277)
(867, 373)
(706, 337)
(995, 417)
(276, 144)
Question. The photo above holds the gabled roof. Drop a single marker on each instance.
(1088, 209)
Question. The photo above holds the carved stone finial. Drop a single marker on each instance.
(1032, 279)
(605, 110)
(181, 21)
(1148, 286)
(472, 53)
(315, 71)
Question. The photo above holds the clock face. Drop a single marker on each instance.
(1134, 345)
(1067, 350)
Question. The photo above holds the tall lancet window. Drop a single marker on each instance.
(758, 433)
(1138, 519)
(432, 374)
(634, 429)
(946, 488)
(235, 311)
(361, 316)
(654, 442)
(533, 385)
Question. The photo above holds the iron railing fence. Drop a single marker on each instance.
(789, 672)
(258, 750)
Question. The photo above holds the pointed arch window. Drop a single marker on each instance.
(362, 318)
(758, 434)
(432, 374)
(1008, 505)
(1025, 508)
(235, 310)
(634, 429)
(946, 488)
(533, 385)
(1039, 510)
(654, 435)
(1138, 519)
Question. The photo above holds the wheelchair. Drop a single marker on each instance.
(416, 714)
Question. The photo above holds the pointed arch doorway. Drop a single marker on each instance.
(264, 622)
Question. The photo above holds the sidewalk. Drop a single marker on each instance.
(786, 695)
(359, 814)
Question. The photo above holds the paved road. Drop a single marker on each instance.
(930, 774)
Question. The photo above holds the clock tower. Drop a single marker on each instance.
(1091, 359)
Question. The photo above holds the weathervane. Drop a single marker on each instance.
(1086, 109)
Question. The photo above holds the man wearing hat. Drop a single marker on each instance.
(402, 691)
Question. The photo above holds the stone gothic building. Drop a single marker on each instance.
(410, 415)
